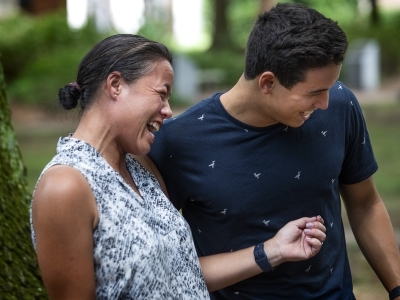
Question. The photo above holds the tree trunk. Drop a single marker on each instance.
(221, 39)
(19, 274)
(374, 13)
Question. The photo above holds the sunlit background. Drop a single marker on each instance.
(127, 16)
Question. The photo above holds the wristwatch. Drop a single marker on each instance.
(261, 258)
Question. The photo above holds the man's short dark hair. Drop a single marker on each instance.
(289, 40)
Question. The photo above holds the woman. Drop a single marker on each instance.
(101, 225)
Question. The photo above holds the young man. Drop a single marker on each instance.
(241, 164)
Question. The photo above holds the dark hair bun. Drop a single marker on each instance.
(69, 96)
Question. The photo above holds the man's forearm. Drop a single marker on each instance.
(374, 233)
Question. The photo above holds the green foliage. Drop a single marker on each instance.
(40, 81)
(230, 62)
(157, 31)
(41, 54)
(19, 274)
(242, 15)
(338, 10)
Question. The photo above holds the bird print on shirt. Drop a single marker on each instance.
(257, 175)
(324, 132)
(224, 211)
(286, 128)
(333, 180)
(246, 130)
(331, 224)
(201, 118)
(340, 87)
(266, 222)
(212, 165)
(308, 269)
(363, 143)
(298, 175)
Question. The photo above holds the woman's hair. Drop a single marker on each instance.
(129, 54)
(289, 40)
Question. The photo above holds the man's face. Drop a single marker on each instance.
(293, 107)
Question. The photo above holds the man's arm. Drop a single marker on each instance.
(373, 230)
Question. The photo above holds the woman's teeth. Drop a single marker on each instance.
(153, 126)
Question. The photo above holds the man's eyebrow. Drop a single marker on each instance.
(318, 91)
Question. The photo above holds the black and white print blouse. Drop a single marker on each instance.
(143, 247)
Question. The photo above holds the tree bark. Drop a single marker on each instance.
(19, 274)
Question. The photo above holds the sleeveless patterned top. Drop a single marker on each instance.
(143, 248)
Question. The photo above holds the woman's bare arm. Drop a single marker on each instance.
(64, 215)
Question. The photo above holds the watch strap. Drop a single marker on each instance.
(394, 293)
(261, 258)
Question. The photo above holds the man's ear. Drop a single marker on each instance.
(267, 81)
(114, 84)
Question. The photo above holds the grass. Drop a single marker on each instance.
(37, 144)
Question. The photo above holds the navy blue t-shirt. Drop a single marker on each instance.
(238, 185)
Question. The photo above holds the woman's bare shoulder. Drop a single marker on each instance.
(63, 191)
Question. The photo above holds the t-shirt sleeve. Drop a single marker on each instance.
(359, 162)
(162, 155)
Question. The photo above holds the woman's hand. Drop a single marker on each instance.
(298, 240)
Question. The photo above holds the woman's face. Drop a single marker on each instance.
(144, 106)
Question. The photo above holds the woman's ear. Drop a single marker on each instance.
(113, 84)
(266, 82)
